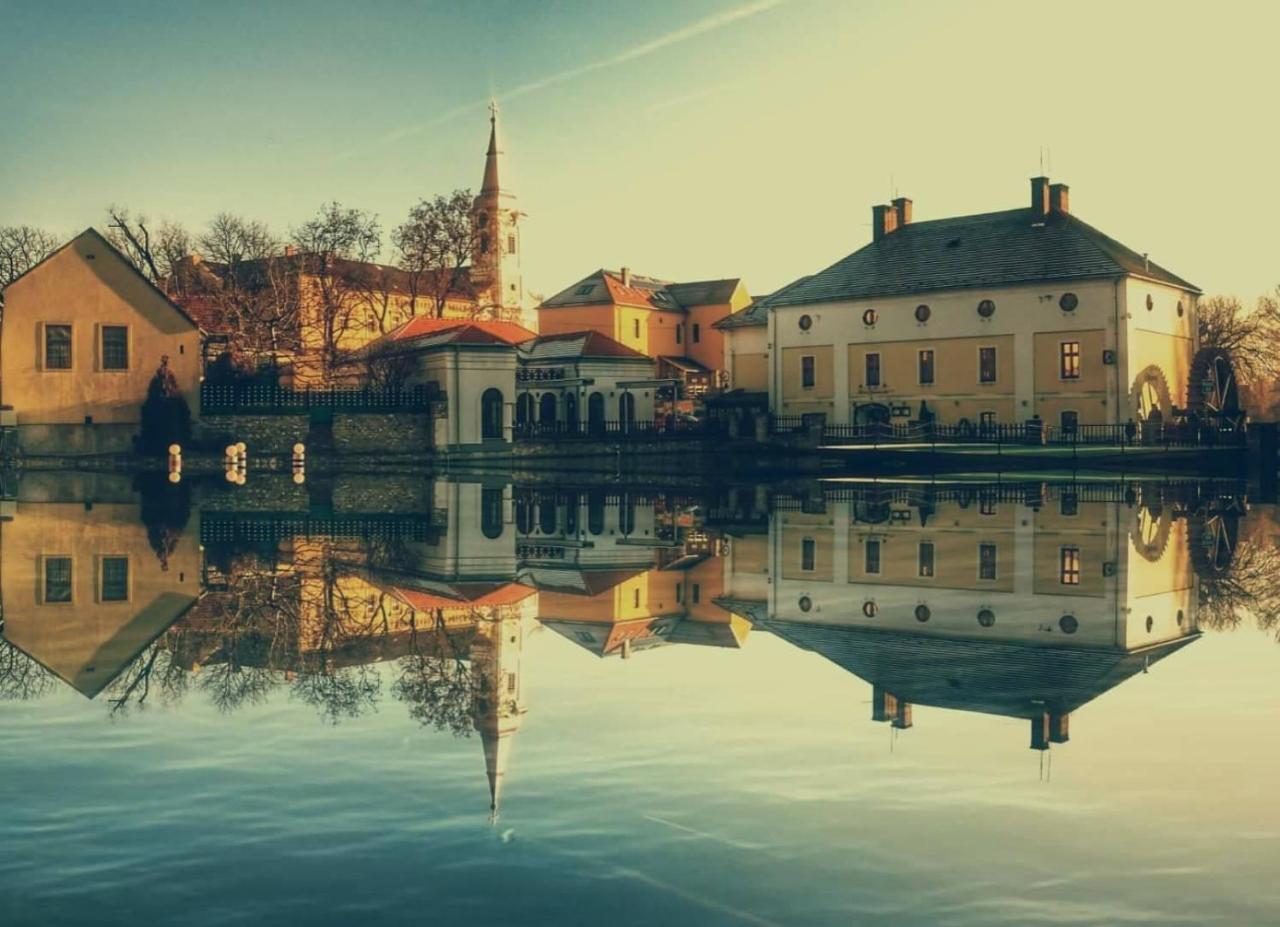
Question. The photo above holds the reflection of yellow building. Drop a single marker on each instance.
(1016, 600)
(84, 592)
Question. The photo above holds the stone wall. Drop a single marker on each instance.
(381, 433)
(391, 494)
(262, 434)
(262, 492)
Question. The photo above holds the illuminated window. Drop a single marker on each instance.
(871, 556)
(986, 365)
(1069, 360)
(926, 367)
(57, 347)
(808, 555)
(986, 561)
(115, 347)
(808, 372)
(1069, 566)
(872, 369)
(924, 559)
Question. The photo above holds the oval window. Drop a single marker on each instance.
(1068, 302)
(1181, 617)
(806, 323)
(1150, 623)
(986, 308)
(1068, 624)
(922, 313)
(1151, 303)
(1181, 310)
(986, 617)
(869, 317)
(805, 603)
(922, 613)
(869, 608)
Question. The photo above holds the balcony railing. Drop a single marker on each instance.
(259, 398)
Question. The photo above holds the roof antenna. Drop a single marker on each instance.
(1042, 160)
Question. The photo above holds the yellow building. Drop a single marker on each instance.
(674, 323)
(83, 334)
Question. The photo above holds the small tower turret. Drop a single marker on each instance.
(495, 265)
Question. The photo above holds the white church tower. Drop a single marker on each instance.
(495, 266)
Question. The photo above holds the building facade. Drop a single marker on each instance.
(994, 318)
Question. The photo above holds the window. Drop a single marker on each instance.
(1069, 566)
(57, 580)
(808, 555)
(986, 504)
(986, 561)
(805, 323)
(635, 329)
(986, 420)
(986, 308)
(57, 347)
(114, 579)
(1069, 504)
(869, 608)
(922, 613)
(679, 594)
(584, 290)
(1069, 624)
(870, 316)
(697, 593)
(926, 367)
(805, 603)
(584, 636)
(871, 556)
(697, 332)
(491, 511)
(871, 374)
(922, 313)
(1069, 360)
(115, 347)
(986, 365)
(808, 372)
(924, 559)
(511, 682)
(1068, 302)
(679, 333)
(635, 597)
(511, 244)
(491, 414)
(1070, 422)
(986, 617)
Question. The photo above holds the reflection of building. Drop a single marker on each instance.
(987, 318)
(84, 333)
(88, 587)
(673, 323)
(1012, 600)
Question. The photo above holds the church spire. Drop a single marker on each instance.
(490, 184)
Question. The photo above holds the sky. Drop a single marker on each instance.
(686, 140)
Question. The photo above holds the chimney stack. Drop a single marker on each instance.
(902, 211)
(1059, 728)
(290, 251)
(1060, 197)
(1039, 198)
(626, 276)
(884, 220)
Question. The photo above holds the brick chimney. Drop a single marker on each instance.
(1060, 197)
(902, 210)
(884, 220)
(626, 276)
(1039, 198)
(290, 251)
(1059, 728)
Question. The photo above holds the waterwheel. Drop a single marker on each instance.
(1213, 543)
(1213, 391)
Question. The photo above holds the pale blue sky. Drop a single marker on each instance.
(685, 139)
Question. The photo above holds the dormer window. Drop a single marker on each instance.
(585, 289)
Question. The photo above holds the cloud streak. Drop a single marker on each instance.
(643, 49)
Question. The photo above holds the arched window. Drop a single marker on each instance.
(571, 412)
(524, 409)
(524, 514)
(491, 511)
(571, 503)
(547, 411)
(547, 514)
(626, 411)
(491, 414)
(595, 413)
(595, 511)
(627, 514)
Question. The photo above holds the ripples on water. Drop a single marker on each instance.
(728, 771)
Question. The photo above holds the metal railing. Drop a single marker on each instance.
(259, 398)
(1030, 433)
(612, 429)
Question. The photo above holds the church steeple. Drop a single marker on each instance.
(498, 695)
(495, 265)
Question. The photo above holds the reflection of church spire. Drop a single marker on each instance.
(499, 700)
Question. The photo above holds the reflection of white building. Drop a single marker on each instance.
(1017, 601)
(986, 318)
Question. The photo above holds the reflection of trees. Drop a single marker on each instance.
(435, 681)
(156, 667)
(22, 678)
(1250, 584)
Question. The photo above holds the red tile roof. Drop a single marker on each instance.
(593, 344)
(507, 332)
(474, 595)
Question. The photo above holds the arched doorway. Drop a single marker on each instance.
(547, 411)
(524, 410)
(873, 416)
(491, 415)
(626, 411)
(595, 413)
(571, 413)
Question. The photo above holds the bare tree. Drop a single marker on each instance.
(334, 244)
(1249, 586)
(434, 247)
(1250, 337)
(22, 679)
(22, 247)
(435, 680)
(388, 368)
(156, 253)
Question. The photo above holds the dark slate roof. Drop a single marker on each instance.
(577, 344)
(1000, 678)
(703, 292)
(605, 287)
(758, 312)
(992, 249)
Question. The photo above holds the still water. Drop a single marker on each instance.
(376, 701)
